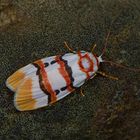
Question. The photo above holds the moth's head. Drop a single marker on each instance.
(100, 60)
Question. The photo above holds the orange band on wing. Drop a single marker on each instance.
(46, 82)
(63, 72)
(85, 70)
(24, 98)
(15, 80)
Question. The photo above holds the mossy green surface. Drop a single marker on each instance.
(30, 30)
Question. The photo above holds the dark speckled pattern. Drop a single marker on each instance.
(30, 30)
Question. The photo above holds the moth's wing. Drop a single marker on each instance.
(14, 81)
(29, 96)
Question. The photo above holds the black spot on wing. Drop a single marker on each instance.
(53, 62)
(46, 64)
(57, 92)
(63, 88)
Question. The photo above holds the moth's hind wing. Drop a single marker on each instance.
(29, 96)
(14, 81)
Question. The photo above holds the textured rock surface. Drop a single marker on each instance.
(30, 30)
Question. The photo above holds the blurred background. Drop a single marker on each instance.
(110, 110)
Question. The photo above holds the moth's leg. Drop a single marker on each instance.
(93, 48)
(81, 89)
(81, 92)
(93, 75)
(108, 76)
(70, 49)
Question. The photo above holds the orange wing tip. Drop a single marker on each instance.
(9, 86)
(24, 100)
(14, 80)
(24, 106)
(27, 105)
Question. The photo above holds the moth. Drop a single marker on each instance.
(50, 79)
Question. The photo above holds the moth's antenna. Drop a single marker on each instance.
(93, 48)
(107, 37)
(122, 66)
(106, 41)
(104, 49)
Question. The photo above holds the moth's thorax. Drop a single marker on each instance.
(88, 62)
